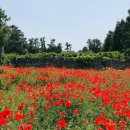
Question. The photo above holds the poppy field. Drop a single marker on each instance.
(64, 99)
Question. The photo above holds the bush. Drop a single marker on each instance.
(69, 59)
(5, 61)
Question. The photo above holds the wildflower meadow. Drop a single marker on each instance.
(64, 99)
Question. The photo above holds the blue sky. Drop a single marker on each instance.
(72, 21)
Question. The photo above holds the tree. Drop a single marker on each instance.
(52, 43)
(51, 46)
(59, 48)
(119, 39)
(128, 18)
(94, 45)
(4, 29)
(84, 49)
(17, 42)
(68, 46)
(108, 41)
(117, 44)
(126, 35)
(31, 48)
(43, 45)
(126, 41)
(34, 45)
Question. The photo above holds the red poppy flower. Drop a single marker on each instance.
(31, 113)
(25, 127)
(47, 106)
(68, 104)
(20, 107)
(62, 115)
(57, 104)
(28, 127)
(61, 124)
(76, 111)
(19, 116)
(85, 122)
(6, 113)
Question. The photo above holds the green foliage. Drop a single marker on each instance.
(17, 41)
(107, 46)
(67, 59)
(94, 45)
(111, 55)
(5, 61)
(85, 61)
(127, 54)
(68, 47)
(84, 49)
(52, 47)
(3, 32)
(119, 39)
(43, 45)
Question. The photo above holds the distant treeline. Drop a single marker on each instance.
(12, 40)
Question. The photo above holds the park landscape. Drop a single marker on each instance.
(46, 87)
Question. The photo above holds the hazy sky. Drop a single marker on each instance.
(72, 21)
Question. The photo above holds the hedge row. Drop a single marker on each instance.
(70, 60)
(108, 55)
